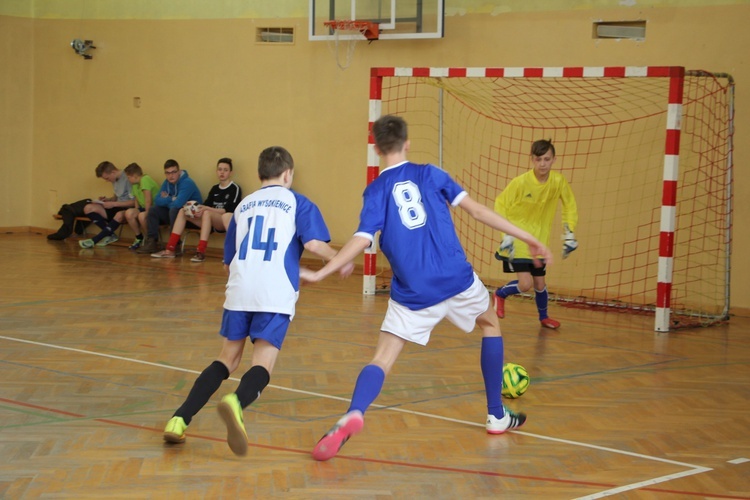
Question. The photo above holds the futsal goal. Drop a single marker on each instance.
(646, 150)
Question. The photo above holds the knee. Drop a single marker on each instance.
(524, 286)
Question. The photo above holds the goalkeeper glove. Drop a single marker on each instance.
(569, 242)
(507, 246)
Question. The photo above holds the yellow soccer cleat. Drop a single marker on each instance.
(174, 432)
(230, 412)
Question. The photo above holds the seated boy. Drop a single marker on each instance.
(108, 212)
(145, 190)
(221, 200)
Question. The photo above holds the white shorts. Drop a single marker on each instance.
(415, 326)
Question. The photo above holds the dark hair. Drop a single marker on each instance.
(133, 169)
(228, 161)
(171, 163)
(390, 133)
(104, 167)
(273, 162)
(540, 147)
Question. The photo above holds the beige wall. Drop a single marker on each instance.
(208, 90)
(16, 111)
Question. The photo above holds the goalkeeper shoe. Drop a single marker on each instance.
(499, 305)
(550, 323)
(230, 412)
(330, 444)
(509, 421)
(89, 243)
(174, 432)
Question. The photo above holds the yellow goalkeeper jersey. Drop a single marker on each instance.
(531, 205)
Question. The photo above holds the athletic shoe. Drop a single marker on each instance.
(164, 254)
(107, 240)
(499, 306)
(174, 432)
(230, 412)
(86, 243)
(136, 244)
(509, 421)
(198, 257)
(550, 323)
(58, 236)
(330, 444)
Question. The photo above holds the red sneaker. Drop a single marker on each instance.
(550, 323)
(499, 306)
(330, 444)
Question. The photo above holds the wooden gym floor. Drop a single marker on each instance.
(98, 347)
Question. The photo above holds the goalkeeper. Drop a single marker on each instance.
(530, 201)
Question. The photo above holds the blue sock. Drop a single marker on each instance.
(367, 388)
(541, 299)
(108, 230)
(511, 288)
(97, 219)
(492, 371)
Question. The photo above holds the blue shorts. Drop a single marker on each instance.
(271, 327)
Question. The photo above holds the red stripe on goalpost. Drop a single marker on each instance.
(663, 295)
(369, 264)
(666, 243)
(669, 193)
(533, 72)
(573, 72)
(672, 146)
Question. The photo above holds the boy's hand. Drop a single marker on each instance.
(306, 274)
(346, 271)
(540, 253)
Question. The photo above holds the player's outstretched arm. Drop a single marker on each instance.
(490, 218)
(341, 260)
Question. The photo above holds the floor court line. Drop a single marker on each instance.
(692, 469)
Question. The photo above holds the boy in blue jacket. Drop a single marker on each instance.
(176, 190)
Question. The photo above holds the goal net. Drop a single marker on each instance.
(647, 152)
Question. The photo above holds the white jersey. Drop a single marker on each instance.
(263, 246)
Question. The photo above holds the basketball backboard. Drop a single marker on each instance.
(397, 19)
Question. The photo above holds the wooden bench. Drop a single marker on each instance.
(86, 221)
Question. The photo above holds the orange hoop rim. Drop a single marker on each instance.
(369, 30)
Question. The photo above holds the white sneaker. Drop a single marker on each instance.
(164, 254)
(509, 421)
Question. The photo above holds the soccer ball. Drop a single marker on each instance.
(190, 208)
(515, 380)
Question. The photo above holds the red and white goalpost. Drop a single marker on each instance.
(647, 151)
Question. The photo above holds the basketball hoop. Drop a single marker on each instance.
(349, 32)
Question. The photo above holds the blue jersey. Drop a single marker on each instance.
(410, 205)
(264, 243)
